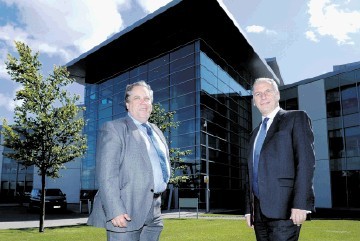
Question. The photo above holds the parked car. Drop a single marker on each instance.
(55, 199)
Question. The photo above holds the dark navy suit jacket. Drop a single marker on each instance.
(286, 166)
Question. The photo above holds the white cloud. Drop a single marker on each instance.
(311, 36)
(64, 28)
(259, 29)
(5, 101)
(8, 102)
(3, 72)
(150, 6)
(68, 28)
(335, 20)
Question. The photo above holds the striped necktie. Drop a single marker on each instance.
(160, 153)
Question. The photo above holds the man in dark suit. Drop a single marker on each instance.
(281, 165)
(133, 169)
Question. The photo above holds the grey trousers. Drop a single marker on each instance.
(149, 232)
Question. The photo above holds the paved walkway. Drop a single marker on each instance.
(16, 217)
(47, 223)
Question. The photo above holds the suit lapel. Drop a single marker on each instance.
(135, 133)
(274, 126)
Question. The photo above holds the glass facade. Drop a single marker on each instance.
(200, 87)
(343, 117)
(289, 99)
(16, 179)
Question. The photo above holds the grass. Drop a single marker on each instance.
(194, 230)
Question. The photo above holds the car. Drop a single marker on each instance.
(55, 199)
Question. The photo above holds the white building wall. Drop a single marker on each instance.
(69, 181)
(312, 99)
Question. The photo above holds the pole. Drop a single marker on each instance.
(207, 192)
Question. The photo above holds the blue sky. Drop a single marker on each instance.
(307, 37)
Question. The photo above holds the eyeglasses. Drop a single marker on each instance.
(267, 92)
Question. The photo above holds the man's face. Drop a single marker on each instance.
(265, 97)
(139, 104)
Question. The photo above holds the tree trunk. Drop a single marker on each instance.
(42, 203)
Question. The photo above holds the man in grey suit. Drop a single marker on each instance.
(133, 169)
(281, 165)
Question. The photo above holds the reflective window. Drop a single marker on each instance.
(183, 141)
(333, 103)
(358, 94)
(182, 63)
(208, 87)
(138, 71)
(120, 82)
(164, 60)
(184, 51)
(90, 89)
(158, 72)
(207, 64)
(161, 95)
(182, 75)
(289, 104)
(142, 76)
(182, 101)
(184, 127)
(349, 100)
(92, 107)
(159, 83)
(184, 113)
(336, 143)
(106, 113)
(91, 126)
(223, 88)
(104, 93)
(351, 120)
(105, 103)
(183, 88)
(352, 141)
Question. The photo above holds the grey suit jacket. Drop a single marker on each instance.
(286, 166)
(124, 175)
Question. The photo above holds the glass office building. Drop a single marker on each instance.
(336, 124)
(206, 81)
(343, 120)
(16, 179)
(199, 90)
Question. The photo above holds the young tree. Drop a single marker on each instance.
(47, 129)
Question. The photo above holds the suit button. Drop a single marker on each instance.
(152, 190)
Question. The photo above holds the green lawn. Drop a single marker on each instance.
(195, 230)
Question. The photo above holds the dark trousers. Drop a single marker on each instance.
(267, 229)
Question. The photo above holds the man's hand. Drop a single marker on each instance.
(121, 221)
(298, 216)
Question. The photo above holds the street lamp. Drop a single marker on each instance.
(206, 178)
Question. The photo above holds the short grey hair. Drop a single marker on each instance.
(129, 88)
(268, 80)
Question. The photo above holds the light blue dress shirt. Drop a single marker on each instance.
(159, 184)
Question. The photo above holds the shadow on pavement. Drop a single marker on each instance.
(15, 212)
